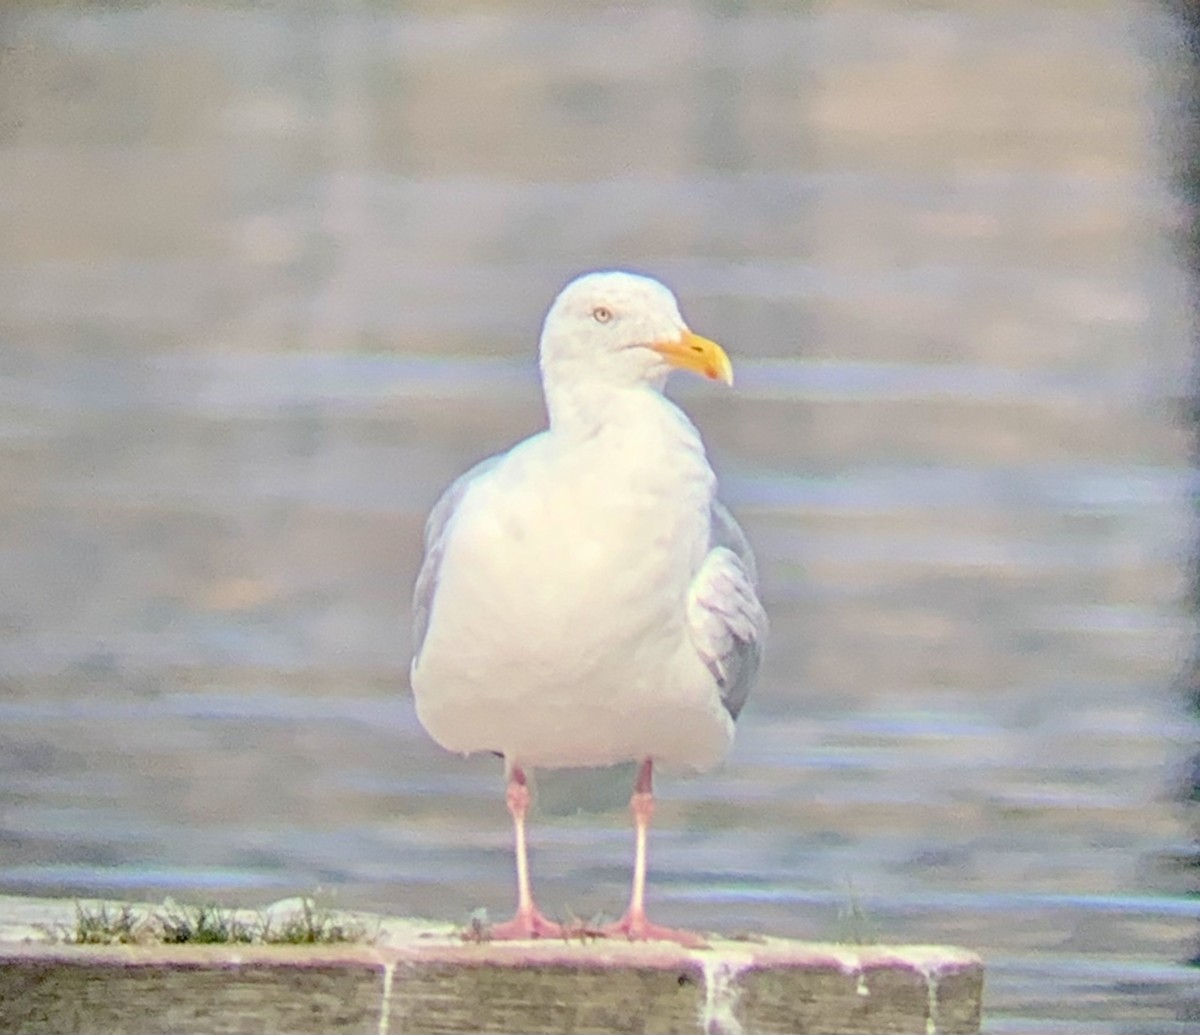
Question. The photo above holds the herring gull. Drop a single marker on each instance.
(585, 599)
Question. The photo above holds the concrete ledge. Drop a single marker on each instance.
(420, 977)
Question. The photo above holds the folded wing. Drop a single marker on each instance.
(437, 533)
(726, 620)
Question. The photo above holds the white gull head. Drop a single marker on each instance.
(622, 330)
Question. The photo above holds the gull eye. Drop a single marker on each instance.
(602, 314)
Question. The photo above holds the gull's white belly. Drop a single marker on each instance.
(558, 633)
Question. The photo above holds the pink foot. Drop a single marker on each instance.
(641, 930)
(523, 927)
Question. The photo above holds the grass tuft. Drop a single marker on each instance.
(208, 924)
(854, 926)
(312, 926)
(96, 925)
(205, 925)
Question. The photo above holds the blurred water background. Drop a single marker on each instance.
(272, 274)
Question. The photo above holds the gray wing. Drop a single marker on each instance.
(437, 532)
(727, 622)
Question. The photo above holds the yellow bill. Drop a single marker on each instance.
(699, 355)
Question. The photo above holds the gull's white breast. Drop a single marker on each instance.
(558, 630)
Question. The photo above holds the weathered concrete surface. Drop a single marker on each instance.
(419, 976)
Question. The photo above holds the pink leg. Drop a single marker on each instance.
(528, 922)
(634, 924)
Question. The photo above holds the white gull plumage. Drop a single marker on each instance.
(585, 599)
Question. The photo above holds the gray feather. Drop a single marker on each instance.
(727, 622)
(437, 532)
(728, 533)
